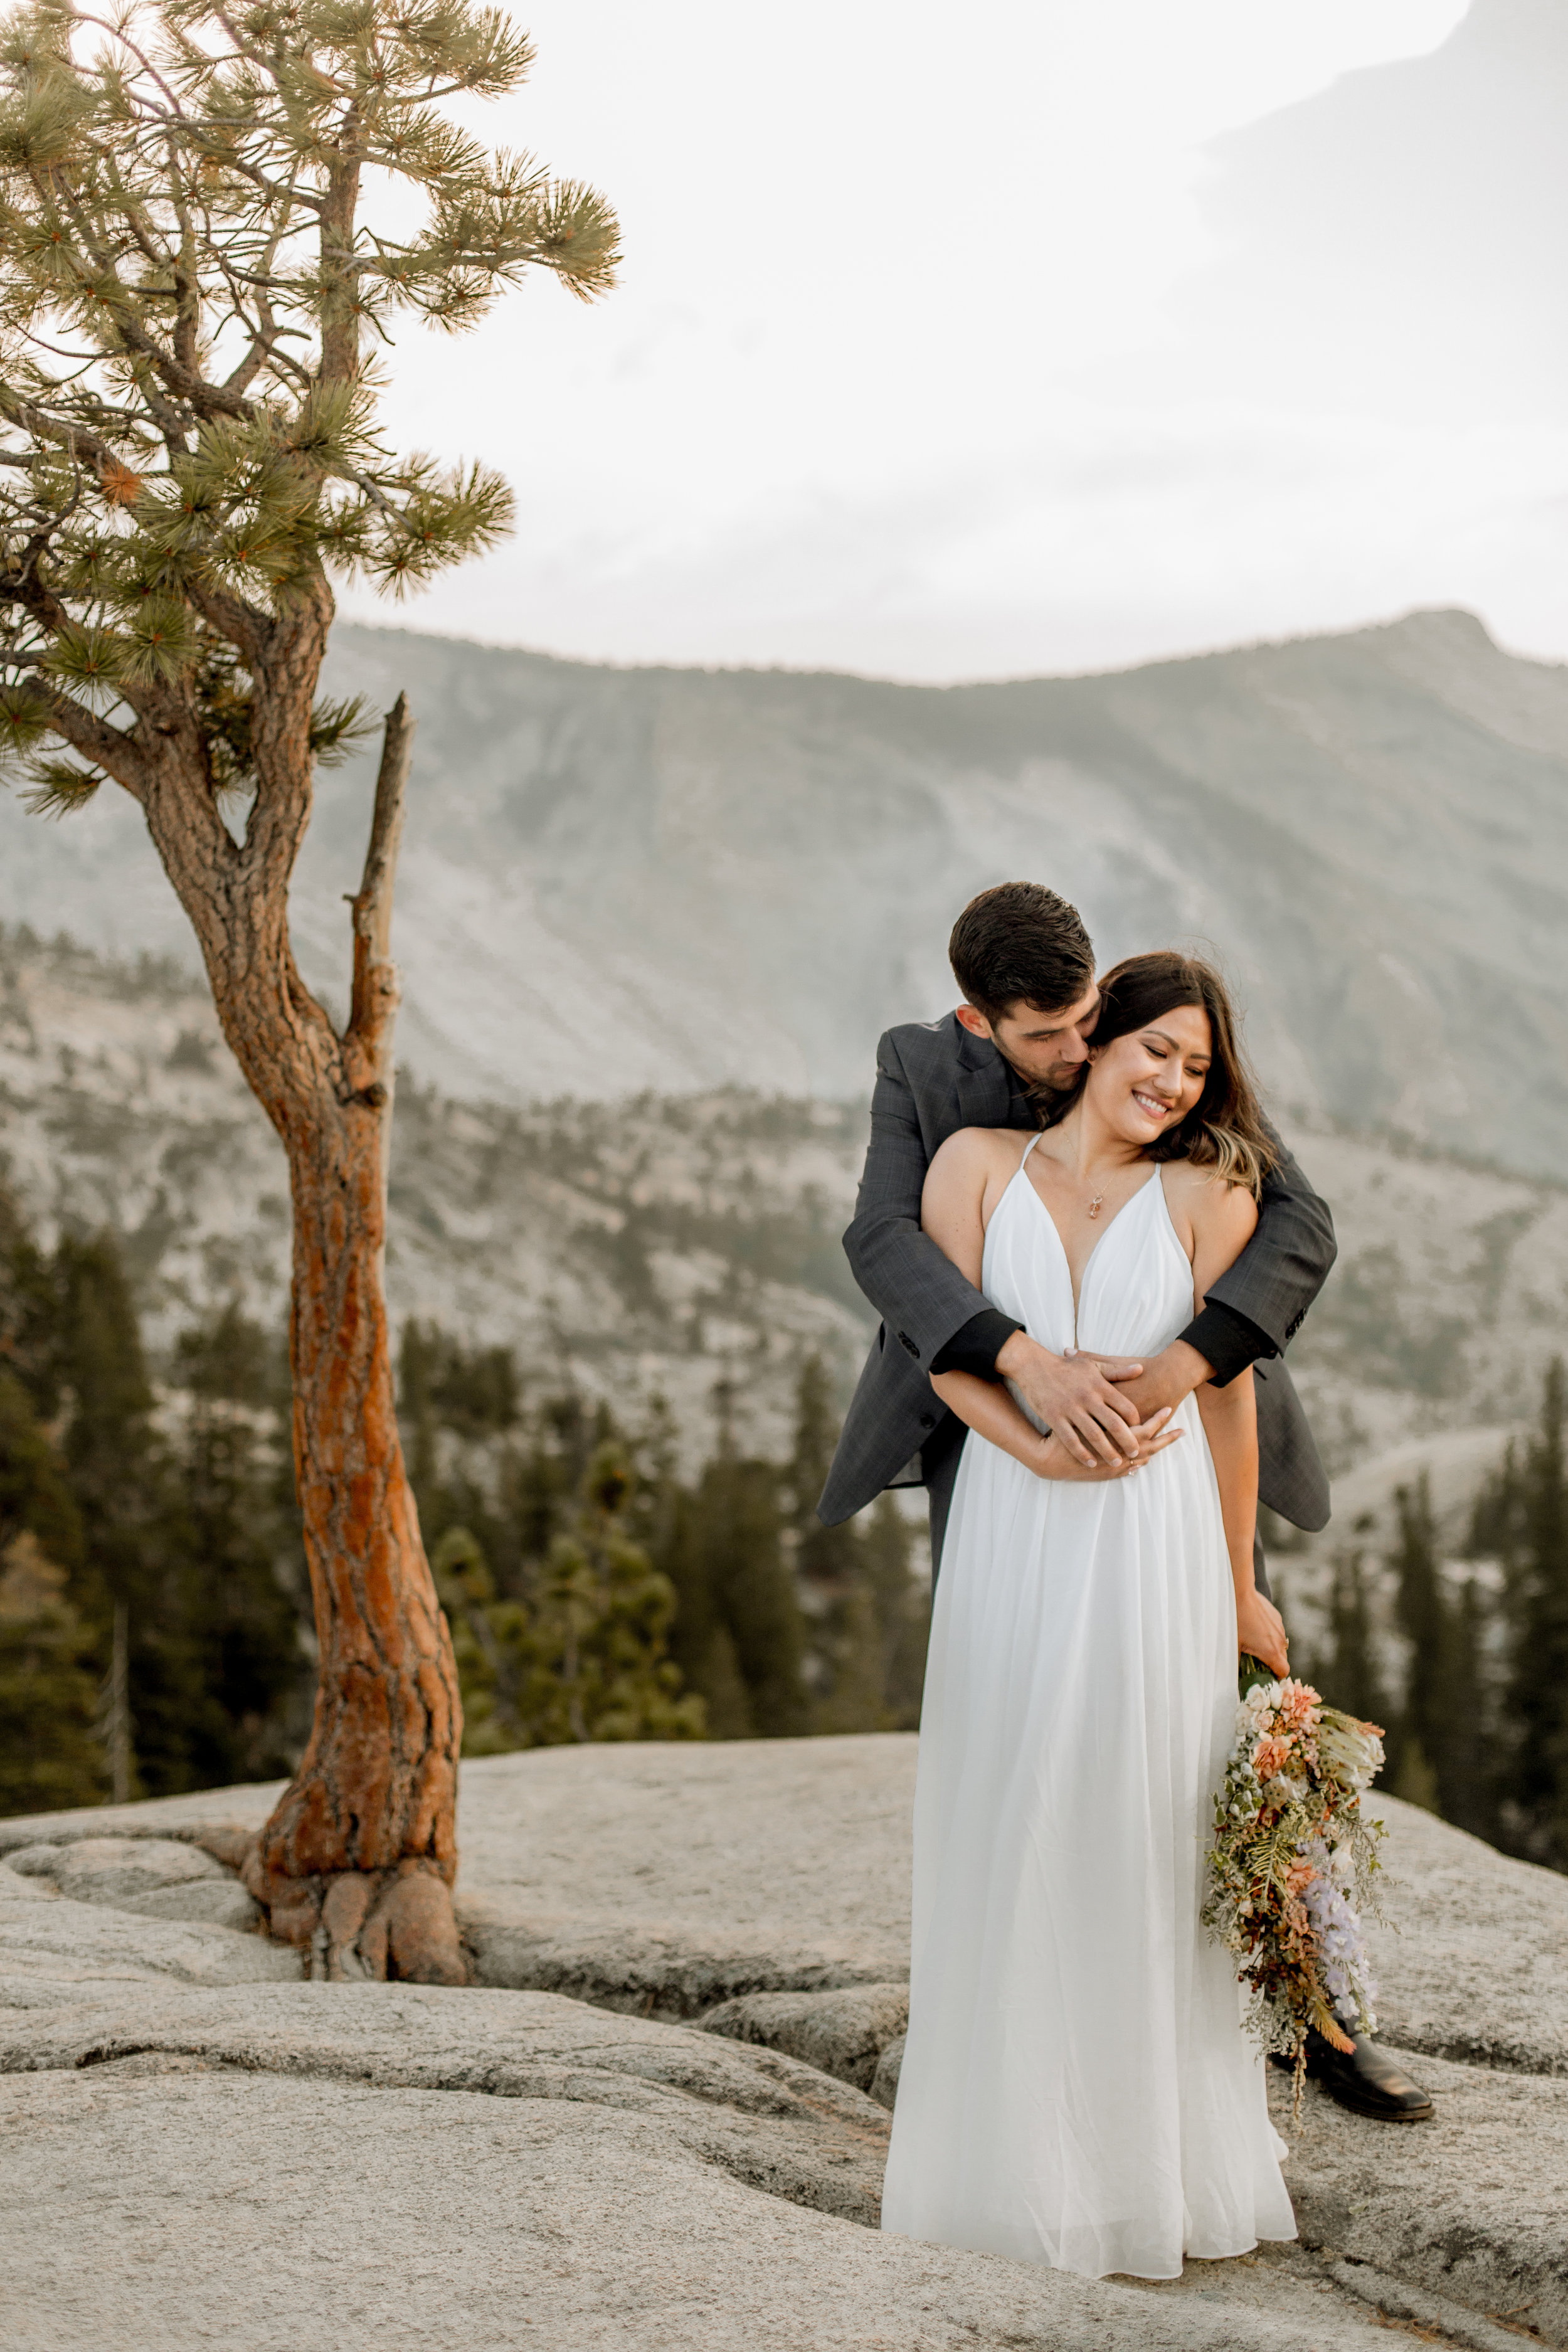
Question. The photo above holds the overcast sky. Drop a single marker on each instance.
(968, 342)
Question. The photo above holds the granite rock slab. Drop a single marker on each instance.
(665, 1879)
(1473, 2204)
(179, 2201)
(54, 1949)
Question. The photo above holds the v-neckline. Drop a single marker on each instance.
(1039, 1200)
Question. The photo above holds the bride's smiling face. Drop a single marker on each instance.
(1146, 1083)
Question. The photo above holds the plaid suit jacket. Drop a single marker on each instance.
(933, 1077)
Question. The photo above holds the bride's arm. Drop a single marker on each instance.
(986, 1407)
(1223, 1218)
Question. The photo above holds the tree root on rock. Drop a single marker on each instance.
(359, 1925)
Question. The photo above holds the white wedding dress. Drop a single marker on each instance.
(1076, 2089)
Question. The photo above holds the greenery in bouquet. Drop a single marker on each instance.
(1292, 1866)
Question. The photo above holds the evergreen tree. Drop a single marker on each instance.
(1468, 1773)
(1348, 1676)
(190, 287)
(50, 1755)
(119, 1473)
(904, 1614)
(228, 1534)
(1538, 1691)
(588, 1659)
(847, 1644)
(1426, 1716)
(737, 1539)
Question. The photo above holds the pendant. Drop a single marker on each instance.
(1095, 1204)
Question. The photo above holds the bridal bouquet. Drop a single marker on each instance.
(1291, 1866)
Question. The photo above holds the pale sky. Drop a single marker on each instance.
(947, 345)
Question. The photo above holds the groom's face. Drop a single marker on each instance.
(1047, 1049)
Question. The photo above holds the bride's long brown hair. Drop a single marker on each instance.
(1224, 1129)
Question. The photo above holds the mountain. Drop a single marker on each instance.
(1388, 247)
(616, 879)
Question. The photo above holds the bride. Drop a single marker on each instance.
(1075, 2087)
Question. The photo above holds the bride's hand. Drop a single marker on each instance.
(1260, 1631)
(1056, 1462)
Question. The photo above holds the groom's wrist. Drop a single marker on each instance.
(977, 1345)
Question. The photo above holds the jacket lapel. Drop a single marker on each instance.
(984, 1091)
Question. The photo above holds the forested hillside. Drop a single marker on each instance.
(626, 1332)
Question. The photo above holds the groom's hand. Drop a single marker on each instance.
(1163, 1383)
(1076, 1397)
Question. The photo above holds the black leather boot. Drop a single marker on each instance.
(1368, 2079)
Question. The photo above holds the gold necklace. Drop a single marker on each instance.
(1094, 1205)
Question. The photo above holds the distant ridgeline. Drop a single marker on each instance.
(676, 880)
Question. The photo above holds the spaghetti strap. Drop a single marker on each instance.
(1030, 1145)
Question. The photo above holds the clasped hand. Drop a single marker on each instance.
(1147, 1437)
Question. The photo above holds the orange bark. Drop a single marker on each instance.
(358, 1860)
(374, 1798)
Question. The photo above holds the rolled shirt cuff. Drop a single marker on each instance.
(1225, 1339)
(976, 1345)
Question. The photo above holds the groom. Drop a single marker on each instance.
(1025, 967)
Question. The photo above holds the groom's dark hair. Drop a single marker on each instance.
(1019, 943)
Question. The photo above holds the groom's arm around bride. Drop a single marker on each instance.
(1023, 962)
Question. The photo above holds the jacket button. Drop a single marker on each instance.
(928, 1421)
(905, 1342)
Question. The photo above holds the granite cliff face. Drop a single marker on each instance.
(673, 879)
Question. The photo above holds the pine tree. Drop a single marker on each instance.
(904, 1614)
(118, 1477)
(845, 1635)
(588, 1659)
(1349, 1676)
(1426, 1714)
(189, 284)
(50, 1755)
(1469, 1772)
(1537, 1692)
(738, 1526)
(239, 1620)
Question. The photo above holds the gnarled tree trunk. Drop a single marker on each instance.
(358, 1860)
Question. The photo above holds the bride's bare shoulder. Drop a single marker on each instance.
(1206, 1204)
(978, 1150)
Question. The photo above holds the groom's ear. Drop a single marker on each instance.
(975, 1022)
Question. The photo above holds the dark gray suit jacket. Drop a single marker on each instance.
(933, 1077)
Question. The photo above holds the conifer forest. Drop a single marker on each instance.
(154, 1609)
(599, 1583)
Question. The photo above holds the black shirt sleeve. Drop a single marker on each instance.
(1221, 1336)
(976, 1345)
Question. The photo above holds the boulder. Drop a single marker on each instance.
(214, 1901)
(117, 1870)
(885, 2081)
(844, 2034)
(54, 1948)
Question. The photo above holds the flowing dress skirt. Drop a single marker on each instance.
(1076, 2089)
